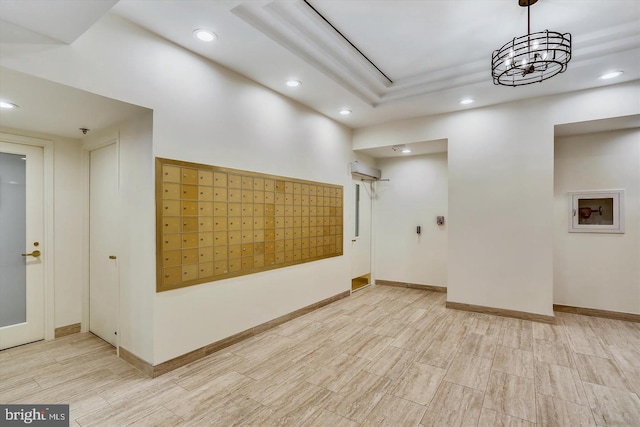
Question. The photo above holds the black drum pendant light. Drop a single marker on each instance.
(531, 58)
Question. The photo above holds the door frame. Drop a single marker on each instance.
(369, 192)
(88, 145)
(48, 245)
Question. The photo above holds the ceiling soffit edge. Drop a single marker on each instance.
(608, 35)
(298, 29)
(450, 78)
(332, 43)
(618, 39)
(14, 33)
(476, 72)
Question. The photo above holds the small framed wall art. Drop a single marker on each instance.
(596, 211)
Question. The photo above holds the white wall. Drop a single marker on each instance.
(500, 177)
(415, 194)
(500, 227)
(204, 113)
(67, 221)
(136, 198)
(596, 270)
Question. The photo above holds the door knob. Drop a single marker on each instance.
(34, 254)
(112, 257)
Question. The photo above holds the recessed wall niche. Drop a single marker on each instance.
(213, 223)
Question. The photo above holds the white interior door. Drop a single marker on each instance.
(361, 235)
(103, 232)
(21, 233)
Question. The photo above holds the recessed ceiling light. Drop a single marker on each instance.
(466, 101)
(8, 105)
(406, 151)
(611, 75)
(204, 35)
(345, 112)
(293, 83)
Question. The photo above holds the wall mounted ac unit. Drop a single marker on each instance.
(366, 172)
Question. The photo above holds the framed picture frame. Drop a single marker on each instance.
(600, 211)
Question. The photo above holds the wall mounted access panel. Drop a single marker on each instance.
(596, 211)
(213, 223)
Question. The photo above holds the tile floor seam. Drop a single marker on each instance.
(484, 395)
(554, 345)
(535, 385)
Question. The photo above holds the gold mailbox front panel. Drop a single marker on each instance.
(214, 223)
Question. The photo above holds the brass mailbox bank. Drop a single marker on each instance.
(214, 223)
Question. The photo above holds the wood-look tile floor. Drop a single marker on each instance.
(383, 357)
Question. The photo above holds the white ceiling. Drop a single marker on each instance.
(56, 109)
(416, 149)
(436, 52)
(602, 125)
(49, 21)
